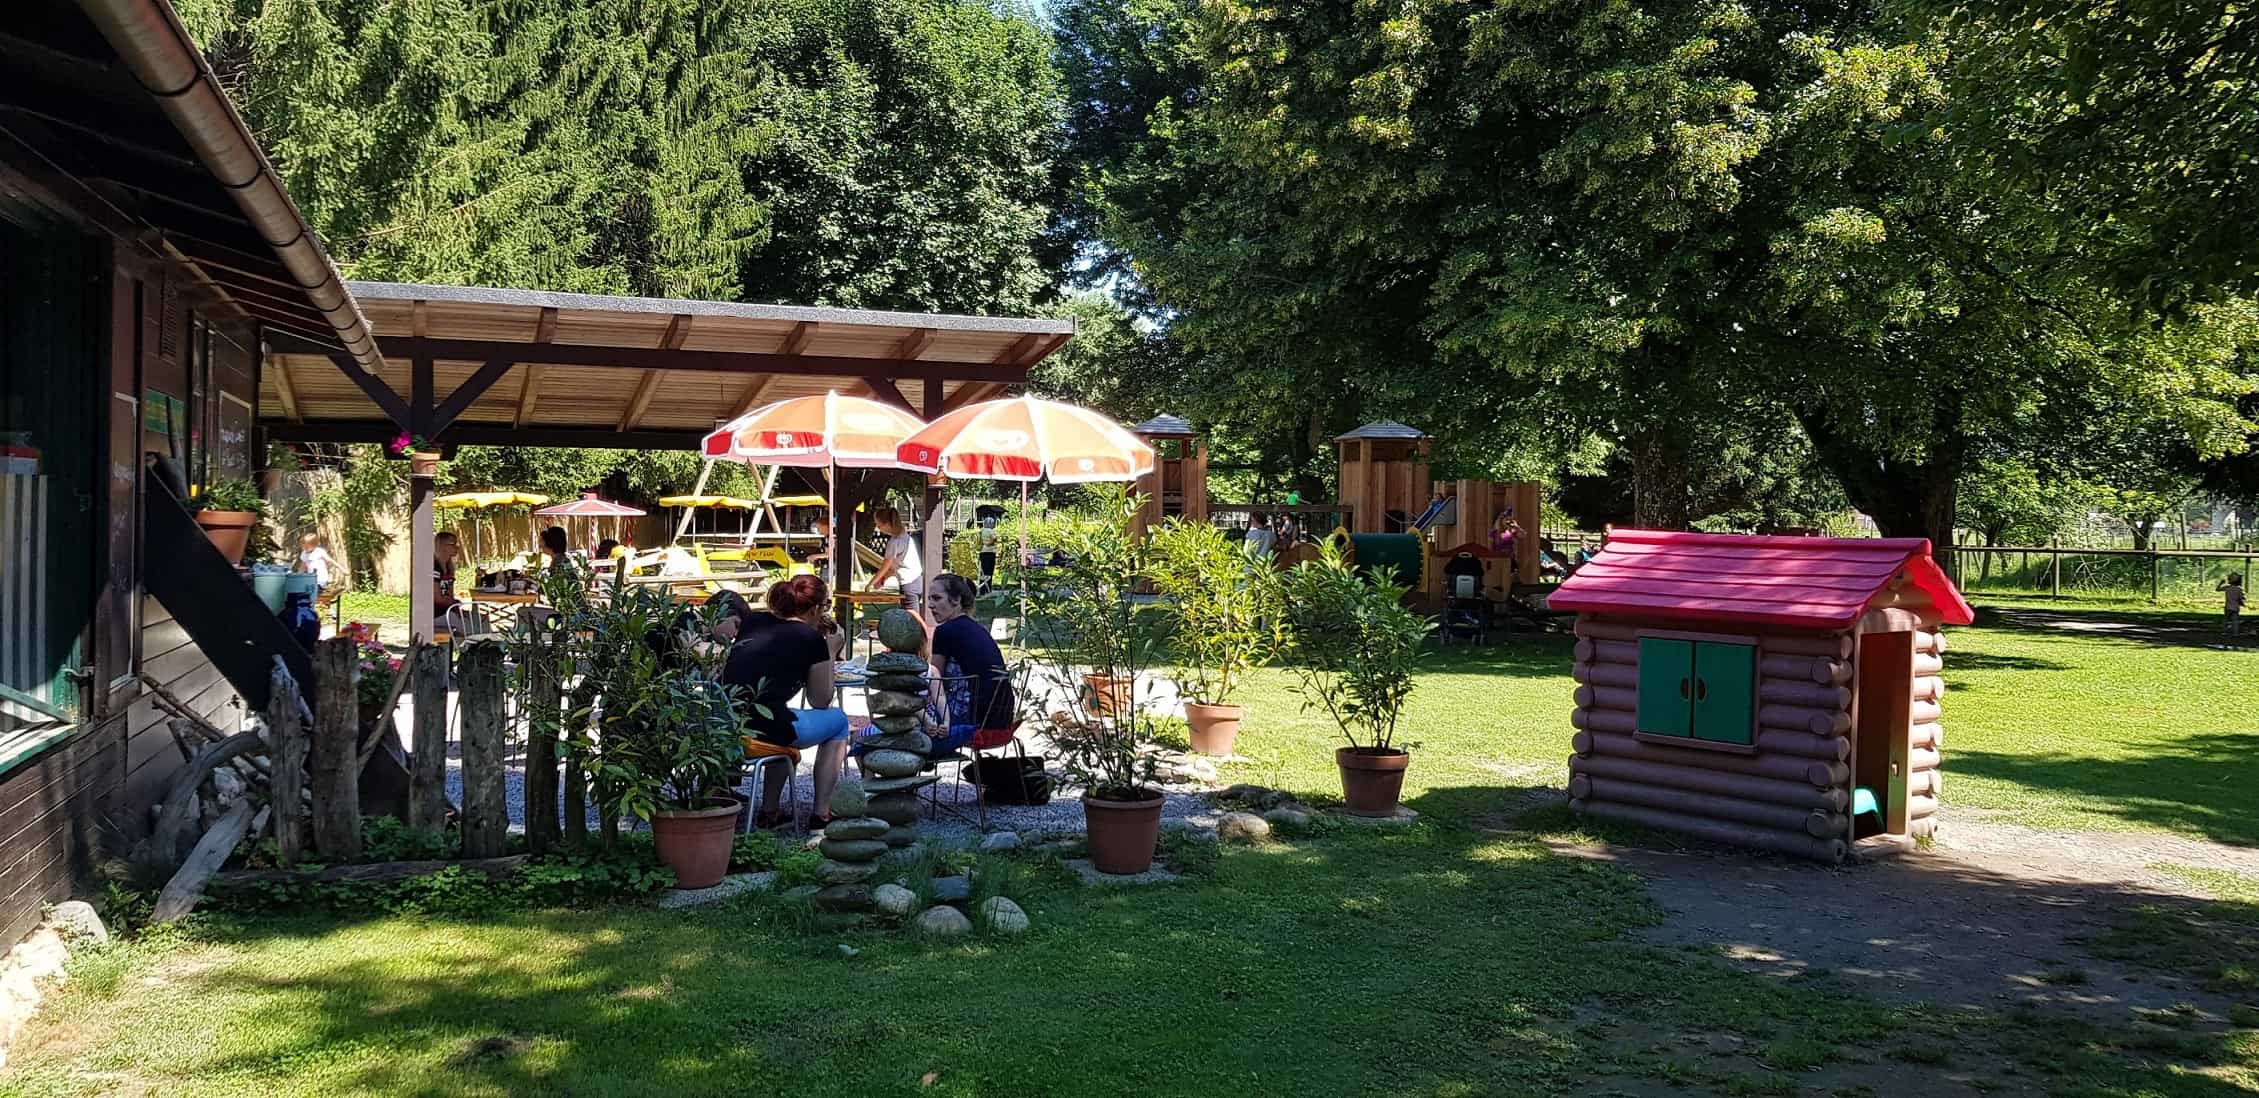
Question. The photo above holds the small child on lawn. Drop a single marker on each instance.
(2234, 608)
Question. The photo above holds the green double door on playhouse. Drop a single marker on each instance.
(1698, 689)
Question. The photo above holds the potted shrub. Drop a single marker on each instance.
(1355, 643)
(423, 457)
(1082, 620)
(670, 743)
(228, 511)
(1224, 608)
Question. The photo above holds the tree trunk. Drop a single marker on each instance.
(1660, 496)
(2144, 531)
(1907, 498)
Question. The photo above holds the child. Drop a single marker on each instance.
(2234, 589)
(314, 558)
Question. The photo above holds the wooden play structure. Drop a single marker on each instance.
(1178, 484)
(1468, 509)
(1384, 476)
(1781, 693)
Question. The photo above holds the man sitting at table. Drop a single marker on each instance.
(974, 680)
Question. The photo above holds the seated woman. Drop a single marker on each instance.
(778, 654)
(973, 677)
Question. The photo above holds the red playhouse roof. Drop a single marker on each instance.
(1787, 582)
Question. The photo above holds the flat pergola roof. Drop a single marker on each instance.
(467, 364)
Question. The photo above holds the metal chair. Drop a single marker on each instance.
(760, 755)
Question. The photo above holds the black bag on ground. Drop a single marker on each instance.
(1013, 779)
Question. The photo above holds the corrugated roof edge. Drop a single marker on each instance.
(664, 306)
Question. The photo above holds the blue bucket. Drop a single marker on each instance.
(270, 587)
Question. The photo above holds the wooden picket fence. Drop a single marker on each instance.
(328, 757)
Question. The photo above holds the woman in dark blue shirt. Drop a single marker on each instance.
(973, 676)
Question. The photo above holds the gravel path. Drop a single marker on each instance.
(1185, 802)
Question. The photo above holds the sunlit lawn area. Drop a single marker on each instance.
(1451, 959)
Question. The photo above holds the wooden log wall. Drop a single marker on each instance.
(1790, 795)
(1924, 779)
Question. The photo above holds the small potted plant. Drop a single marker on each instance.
(1084, 619)
(378, 667)
(1226, 611)
(228, 511)
(423, 457)
(1355, 644)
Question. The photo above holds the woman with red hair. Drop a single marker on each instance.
(780, 653)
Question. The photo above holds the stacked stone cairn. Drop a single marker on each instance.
(878, 814)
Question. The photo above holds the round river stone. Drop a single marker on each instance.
(888, 703)
(900, 785)
(844, 897)
(900, 684)
(900, 723)
(916, 743)
(902, 836)
(895, 808)
(899, 630)
(893, 764)
(899, 663)
(852, 850)
(861, 827)
(836, 873)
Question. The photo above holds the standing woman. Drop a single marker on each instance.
(779, 654)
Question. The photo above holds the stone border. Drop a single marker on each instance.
(37, 962)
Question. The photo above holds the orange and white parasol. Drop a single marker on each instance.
(814, 432)
(1025, 439)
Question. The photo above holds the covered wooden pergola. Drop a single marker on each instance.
(471, 365)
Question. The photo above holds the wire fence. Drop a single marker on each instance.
(2160, 575)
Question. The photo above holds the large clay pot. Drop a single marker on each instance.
(1110, 695)
(1122, 833)
(229, 531)
(1214, 727)
(695, 842)
(1371, 780)
(423, 463)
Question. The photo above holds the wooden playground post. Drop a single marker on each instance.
(287, 777)
(427, 773)
(543, 722)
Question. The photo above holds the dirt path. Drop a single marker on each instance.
(1989, 918)
(2124, 627)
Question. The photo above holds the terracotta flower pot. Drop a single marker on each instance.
(695, 842)
(1214, 727)
(1110, 695)
(229, 531)
(423, 464)
(1122, 833)
(1371, 780)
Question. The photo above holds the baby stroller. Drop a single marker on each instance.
(1466, 613)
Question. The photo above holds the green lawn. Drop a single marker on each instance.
(1452, 959)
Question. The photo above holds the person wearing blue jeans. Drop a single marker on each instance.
(779, 654)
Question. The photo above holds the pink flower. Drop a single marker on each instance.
(401, 442)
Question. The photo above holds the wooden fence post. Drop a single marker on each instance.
(286, 745)
(543, 719)
(335, 747)
(427, 775)
(486, 810)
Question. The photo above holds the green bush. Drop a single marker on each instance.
(231, 495)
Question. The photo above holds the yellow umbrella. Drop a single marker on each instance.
(733, 503)
(479, 501)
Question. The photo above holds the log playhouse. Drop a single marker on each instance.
(1782, 693)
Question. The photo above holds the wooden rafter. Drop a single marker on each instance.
(972, 394)
(419, 319)
(283, 388)
(529, 394)
(914, 344)
(468, 392)
(797, 341)
(678, 330)
(374, 388)
(1012, 355)
(753, 391)
(883, 388)
(689, 360)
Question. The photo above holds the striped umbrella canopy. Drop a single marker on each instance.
(815, 432)
(1026, 439)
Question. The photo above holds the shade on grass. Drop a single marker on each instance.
(1453, 959)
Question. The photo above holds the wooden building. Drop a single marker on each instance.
(1774, 692)
(1178, 484)
(162, 298)
(138, 275)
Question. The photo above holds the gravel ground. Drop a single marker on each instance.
(1184, 802)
